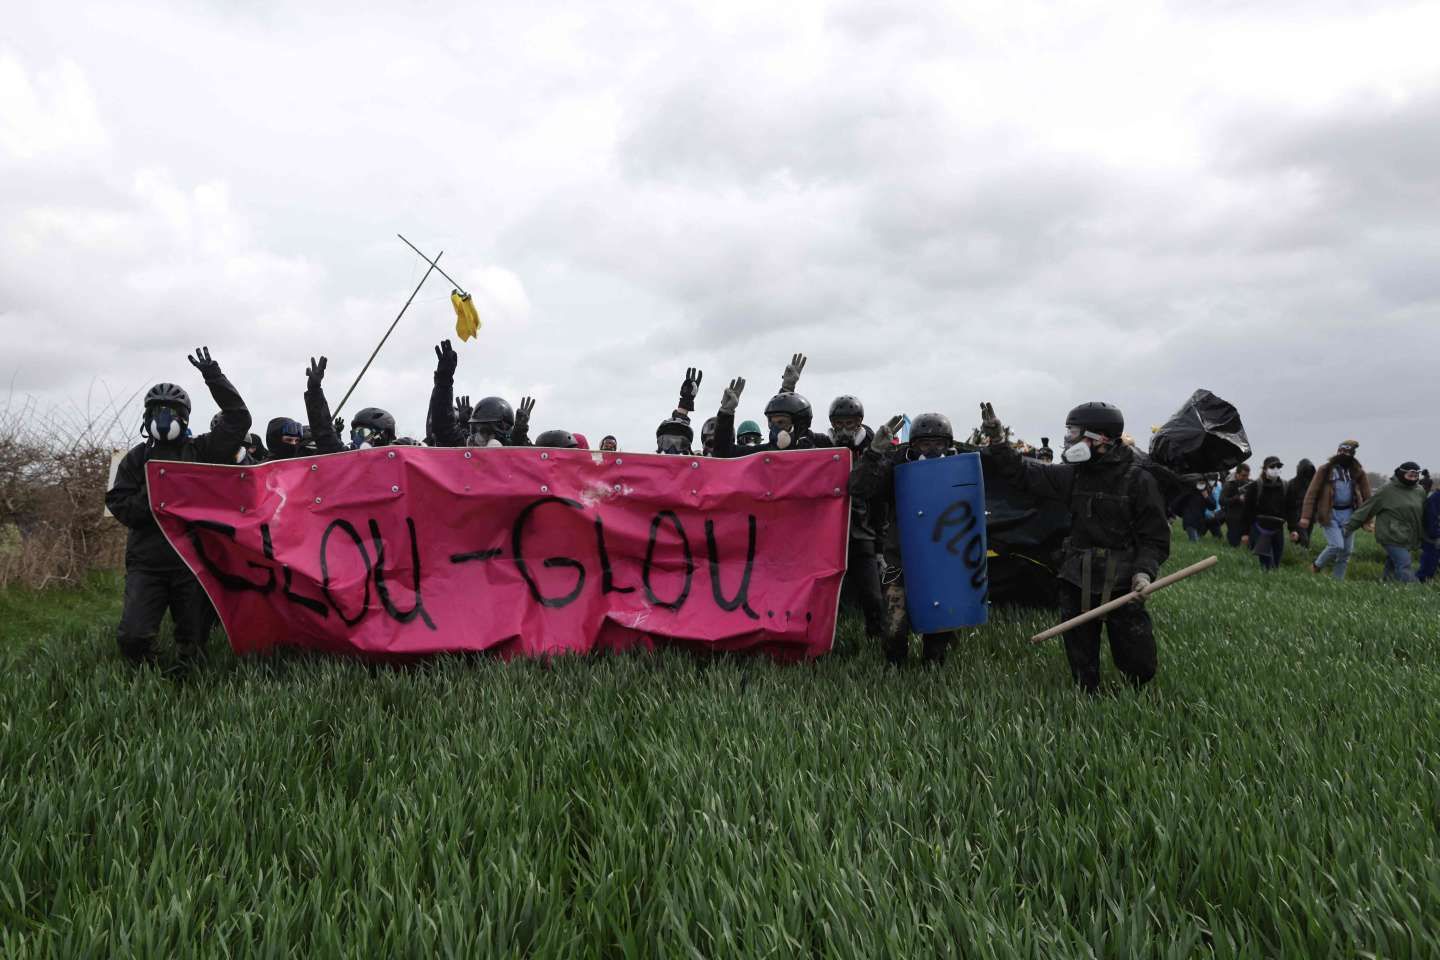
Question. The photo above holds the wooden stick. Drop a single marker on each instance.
(1119, 602)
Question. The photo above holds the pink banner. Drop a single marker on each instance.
(522, 551)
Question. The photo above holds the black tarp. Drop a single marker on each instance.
(1204, 436)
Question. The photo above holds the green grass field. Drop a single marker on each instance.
(1276, 792)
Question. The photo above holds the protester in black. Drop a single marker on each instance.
(1295, 501)
(861, 587)
(156, 579)
(493, 422)
(1232, 501)
(1264, 502)
(789, 415)
(872, 483)
(1118, 536)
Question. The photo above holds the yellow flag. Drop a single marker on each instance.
(467, 319)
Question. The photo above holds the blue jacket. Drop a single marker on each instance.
(1430, 522)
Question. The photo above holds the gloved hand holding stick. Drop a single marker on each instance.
(1118, 602)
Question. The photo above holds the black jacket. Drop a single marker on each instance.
(1190, 507)
(146, 548)
(1265, 498)
(322, 425)
(1295, 489)
(869, 516)
(1117, 516)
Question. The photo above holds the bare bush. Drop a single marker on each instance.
(54, 467)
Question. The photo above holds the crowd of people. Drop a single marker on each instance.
(1264, 513)
(1120, 505)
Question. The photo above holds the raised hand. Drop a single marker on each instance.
(201, 361)
(315, 373)
(990, 426)
(339, 426)
(522, 415)
(690, 388)
(445, 360)
(730, 399)
(463, 409)
(885, 437)
(793, 369)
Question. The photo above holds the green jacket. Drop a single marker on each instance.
(1396, 510)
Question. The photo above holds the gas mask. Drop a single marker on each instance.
(672, 444)
(165, 425)
(362, 438)
(484, 435)
(847, 436)
(1272, 473)
(1076, 449)
(780, 438)
(922, 450)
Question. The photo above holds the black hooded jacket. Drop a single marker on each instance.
(1115, 511)
(146, 548)
(1295, 489)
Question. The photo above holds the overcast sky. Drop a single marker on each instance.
(1032, 204)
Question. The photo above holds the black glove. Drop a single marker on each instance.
(463, 409)
(201, 361)
(446, 360)
(689, 388)
(522, 415)
(339, 426)
(315, 373)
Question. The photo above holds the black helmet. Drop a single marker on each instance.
(707, 432)
(847, 406)
(674, 435)
(929, 426)
(496, 412)
(796, 407)
(1102, 418)
(168, 395)
(557, 438)
(215, 420)
(380, 423)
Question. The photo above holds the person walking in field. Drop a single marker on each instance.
(1430, 536)
(1397, 510)
(1232, 500)
(1265, 514)
(1295, 489)
(1338, 489)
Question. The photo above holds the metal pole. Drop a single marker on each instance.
(388, 332)
(435, 265)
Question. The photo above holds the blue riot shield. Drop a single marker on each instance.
(940, 506)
